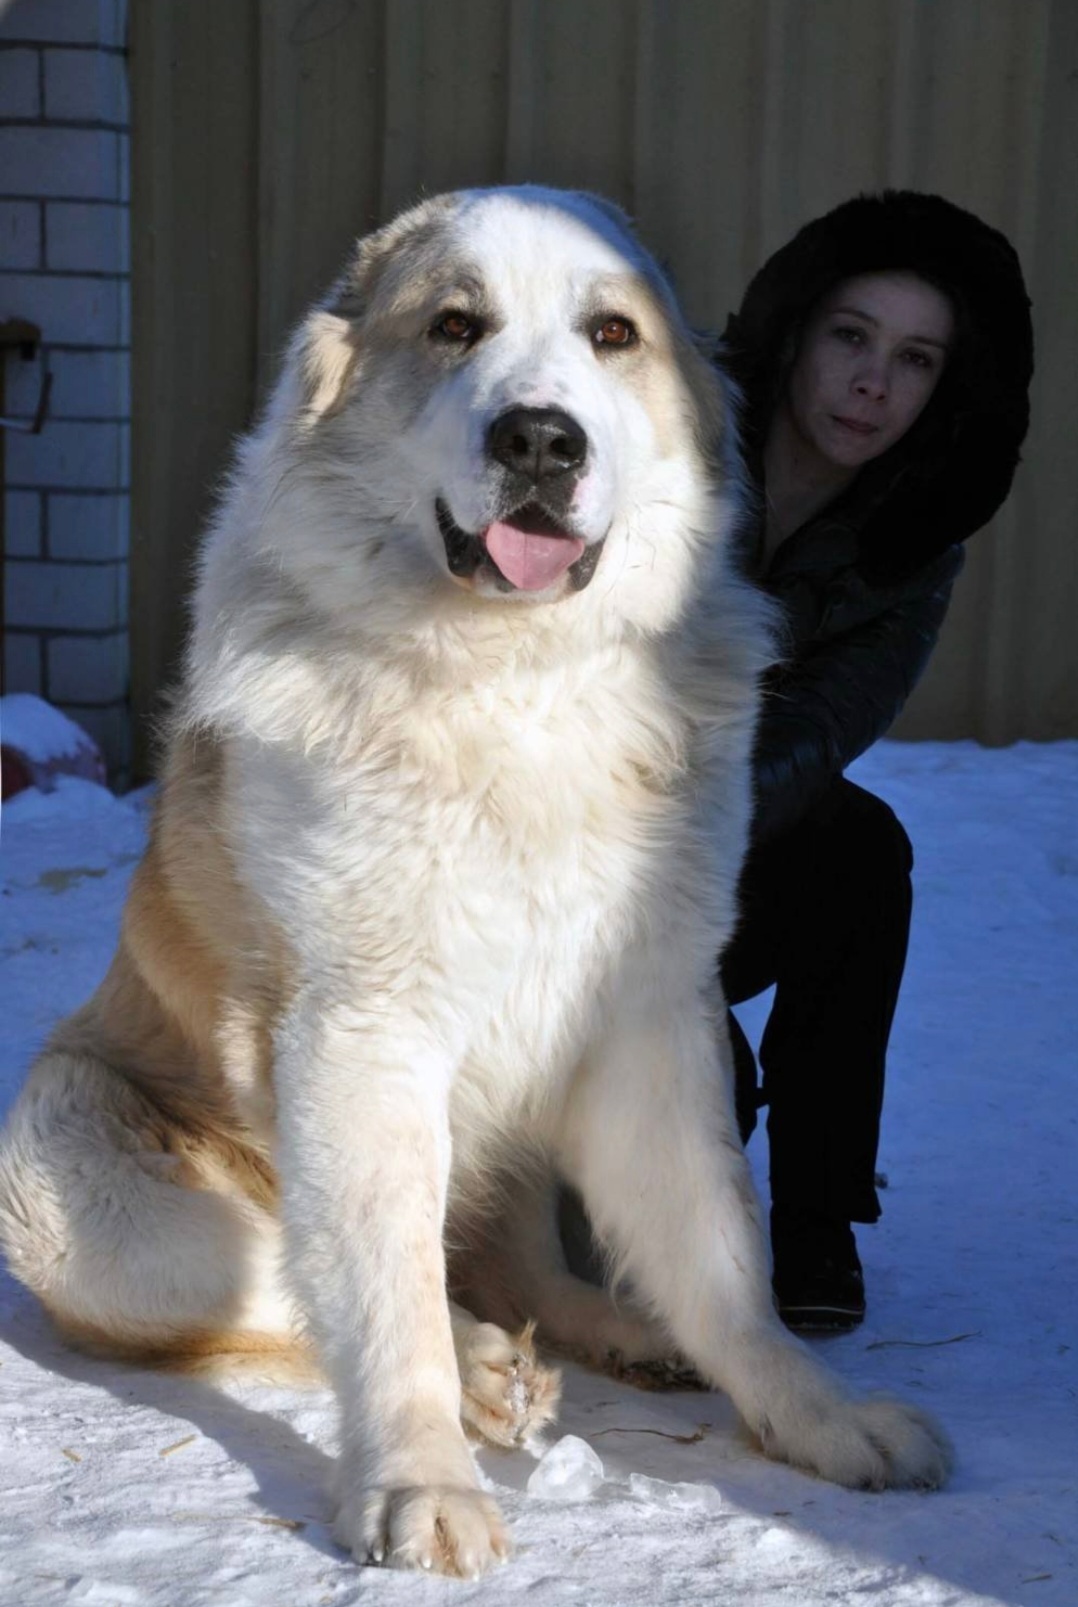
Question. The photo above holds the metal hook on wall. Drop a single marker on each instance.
(19, 334)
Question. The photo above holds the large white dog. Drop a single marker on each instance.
(446, 848)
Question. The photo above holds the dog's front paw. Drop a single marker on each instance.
(440, 1528)
(876, 1444)
(506, 1393)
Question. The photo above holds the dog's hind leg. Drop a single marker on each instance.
(650, 1138)
(507, 1394)
(143, 1247)
(512, 1269)
(141, 1241)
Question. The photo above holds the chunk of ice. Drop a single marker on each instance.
(569, 1471)
(683, 1497)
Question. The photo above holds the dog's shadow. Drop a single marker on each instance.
(693, 1437)
(290, 1472)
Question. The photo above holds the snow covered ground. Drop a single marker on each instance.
(124, 1487)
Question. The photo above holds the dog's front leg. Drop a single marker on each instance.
(364, 1162)
(650, 1137)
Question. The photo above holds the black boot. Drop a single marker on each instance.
(818, 1283)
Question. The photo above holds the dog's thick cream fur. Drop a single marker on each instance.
(438, 876)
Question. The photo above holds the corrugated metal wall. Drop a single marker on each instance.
(269, 132)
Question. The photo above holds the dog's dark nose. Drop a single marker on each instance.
(538, 442)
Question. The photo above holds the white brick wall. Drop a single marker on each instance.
(86, 237)
(22, 662)
(70, 455)
(65, 22)
(20, 232)
(85, 384)
(23, 523)
(71, 310)
(84, 86)
(64, 262)
(66, 597)
(88, 669)
(38, 160)
(20, 83)
(87, 527)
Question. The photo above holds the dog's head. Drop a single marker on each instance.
(500, 395)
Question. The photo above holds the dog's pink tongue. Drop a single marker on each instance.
(531, 562)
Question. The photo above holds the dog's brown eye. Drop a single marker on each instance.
(615, 332)
(455, 326)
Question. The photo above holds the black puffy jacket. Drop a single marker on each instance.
(864, 584)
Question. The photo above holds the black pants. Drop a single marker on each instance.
(825, 915)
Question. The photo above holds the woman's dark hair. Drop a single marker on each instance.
(953, 468)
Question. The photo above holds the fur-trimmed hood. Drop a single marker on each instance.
(950, 473)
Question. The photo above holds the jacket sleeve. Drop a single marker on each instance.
(835, 697)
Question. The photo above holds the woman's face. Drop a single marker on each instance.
(871, 355)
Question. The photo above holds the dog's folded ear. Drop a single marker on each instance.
(324, 355)
(327, 345)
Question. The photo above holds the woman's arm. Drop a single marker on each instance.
(838, 695)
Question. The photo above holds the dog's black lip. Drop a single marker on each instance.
(465, 552)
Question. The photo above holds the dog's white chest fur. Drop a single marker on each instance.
(504, 832)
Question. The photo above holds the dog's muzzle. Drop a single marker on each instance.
(541, 452)
(535, 552)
